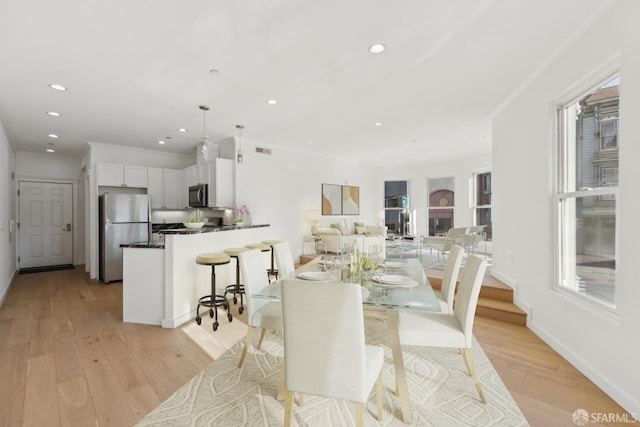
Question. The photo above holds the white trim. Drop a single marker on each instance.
(628, 402)
(75, 258)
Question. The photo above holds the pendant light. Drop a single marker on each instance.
(204, 150)
(240, 154)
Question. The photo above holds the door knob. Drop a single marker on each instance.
(67, 228)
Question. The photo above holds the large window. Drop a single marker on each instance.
(441, 205)
(588, 192)
(396, 207)
(482, 201)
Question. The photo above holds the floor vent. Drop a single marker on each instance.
(263, 150)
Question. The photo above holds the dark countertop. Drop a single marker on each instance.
(210, 229)
(159, 243)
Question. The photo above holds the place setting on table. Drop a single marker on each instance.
(376, 275)
(391, 284)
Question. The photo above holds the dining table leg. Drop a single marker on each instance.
(398, 364)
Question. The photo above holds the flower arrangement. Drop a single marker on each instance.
(240, 212)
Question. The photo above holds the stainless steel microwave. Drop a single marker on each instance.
(198, 196)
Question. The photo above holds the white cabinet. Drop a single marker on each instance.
(184, 188)
(218, 174)
(119, 175)
(164, 188)
(221, 182)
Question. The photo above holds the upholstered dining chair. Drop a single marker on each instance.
(284, 259)
(261, 313)
(430, 329)
(448, 288)
(328, 357)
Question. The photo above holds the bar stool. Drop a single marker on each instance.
(273, 270)
(236, 289)
(263, 247)
(213, 301)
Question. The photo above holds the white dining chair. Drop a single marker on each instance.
(430, 329)
(261, 313)
(284, 259)
(324, 349)
(449, 279)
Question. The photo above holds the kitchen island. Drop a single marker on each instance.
(161, 281)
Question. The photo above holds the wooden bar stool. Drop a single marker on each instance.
(273, 270)
(213, 301)
(263, 247)
(236, 289)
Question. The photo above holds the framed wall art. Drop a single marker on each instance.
(331, 199)
(350, 200)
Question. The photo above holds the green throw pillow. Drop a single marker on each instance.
(358, 224)
(336, 226)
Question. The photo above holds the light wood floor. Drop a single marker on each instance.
(66, 359)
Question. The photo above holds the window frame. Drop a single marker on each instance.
(451, 207)
(474, 198)
(563, 181)
(406, 208)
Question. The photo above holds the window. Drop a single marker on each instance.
(441, 204)
(588, 192)
(396, 207)
(482, 201)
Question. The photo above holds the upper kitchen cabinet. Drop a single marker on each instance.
(164, 188)
(221, 182)
(119, 175)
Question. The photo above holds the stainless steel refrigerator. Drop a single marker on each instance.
(124, 218)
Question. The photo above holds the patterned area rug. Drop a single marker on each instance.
(442, 393)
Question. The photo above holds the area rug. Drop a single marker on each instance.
(442, 393)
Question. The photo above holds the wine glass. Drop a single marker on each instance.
(375, 251)
(338, 265)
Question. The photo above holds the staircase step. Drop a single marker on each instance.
(501, 310)
(495, 301)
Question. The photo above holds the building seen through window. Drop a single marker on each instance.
(587, 193)
(396, 207)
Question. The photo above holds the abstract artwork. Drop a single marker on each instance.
(331, 199)
(350, 200)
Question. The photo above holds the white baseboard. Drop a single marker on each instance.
(630, 403)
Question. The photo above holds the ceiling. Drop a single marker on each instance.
(136, 72)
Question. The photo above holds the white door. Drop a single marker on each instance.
(45, 224)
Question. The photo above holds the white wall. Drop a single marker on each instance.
(7, 213)
(281, 188)
(602, 345)
(461, 169)
(56, 168)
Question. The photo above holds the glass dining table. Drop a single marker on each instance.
(403, 286)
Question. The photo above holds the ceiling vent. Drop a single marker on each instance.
(263, 150)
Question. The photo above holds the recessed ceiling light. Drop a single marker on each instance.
(376, 48)
(54, 114)
(161, 142)
(182, 130)
(214, 71)
(272, 102)
(57, 87)
(309, 142)
(50, 150)
(377, 124)
(53, 135)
